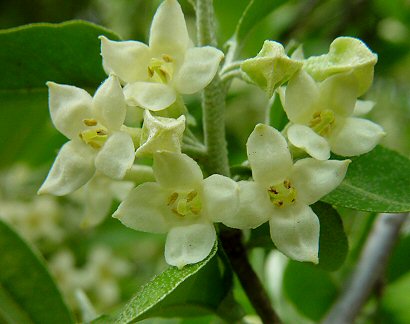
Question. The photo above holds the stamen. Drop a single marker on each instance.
(322, 122)
(282, 194)
(90, 122)
(185, 204)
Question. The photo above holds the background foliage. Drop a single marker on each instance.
(27, 136)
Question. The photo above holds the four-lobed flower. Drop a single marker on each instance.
(281, 192)
(320, 101)
(183, 204)
(323, 116)
(93, 125)
(155, 74)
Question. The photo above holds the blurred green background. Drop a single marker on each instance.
(383, 25)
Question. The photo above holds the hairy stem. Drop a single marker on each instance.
(213, 109)
(371, 266)
(236, 252)
(213, 98)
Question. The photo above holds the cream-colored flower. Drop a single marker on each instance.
(323, 116)
(155, 74)
(182, 204)
(93, 125)
(281, 193)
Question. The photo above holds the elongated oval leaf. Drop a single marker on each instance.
(333, 245)
(192, 291)
(253, 14)
(27, 292)
(309, 288)
(67, 53)
(378, 181)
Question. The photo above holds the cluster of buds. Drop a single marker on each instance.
(290, 169)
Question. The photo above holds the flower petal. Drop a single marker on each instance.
(220, 198)
(152, 96)
(356, 136)
(271, 67)
(363, 107)
(116, 156)
(313, 179)
(169, 34)
(189, 244)
(301, 98)
(145, 209)
(199, 68)
(305, 138)
(268, 155)
(345, 54)
(295, 232)
(338, 93)
(109, 104)
(69, 106)
(255, 207)
(177, 171)
(161, 134)
(126, 59)
(73, 167)
(98, 201)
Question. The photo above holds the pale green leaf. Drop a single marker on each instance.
(195, 290)
(378, 181)
(256, 11)
(27, 292)
(333, 245)
(309, 288)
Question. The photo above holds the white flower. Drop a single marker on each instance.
(282, 192)
(161, 134)
(168, 66)
(96, 142)
(182, 204)
(98, 195)
(323, 118)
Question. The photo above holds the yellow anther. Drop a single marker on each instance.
(282, 194)
(185, 203)
(94, 137)
(322, 122)
(90, 122)
(167, 58)
(161, 69)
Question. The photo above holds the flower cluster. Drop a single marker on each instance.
(290, 169)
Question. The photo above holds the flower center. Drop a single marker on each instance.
(161, 69)
(282, 194)
(322, 122)
(95, 136)
(185, 203)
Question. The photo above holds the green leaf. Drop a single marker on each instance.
(333, 245)
(378, 181)
(256, 11)
(194, 290)
(309, 288)
(27, 291)
(399, 263)
(67, 53)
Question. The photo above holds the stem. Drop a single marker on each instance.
(236, 252)
(213, 108)
(231, 74)
(213, 98)
(371, 266)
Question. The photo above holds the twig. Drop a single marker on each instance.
(233, 246)
(371, 266)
